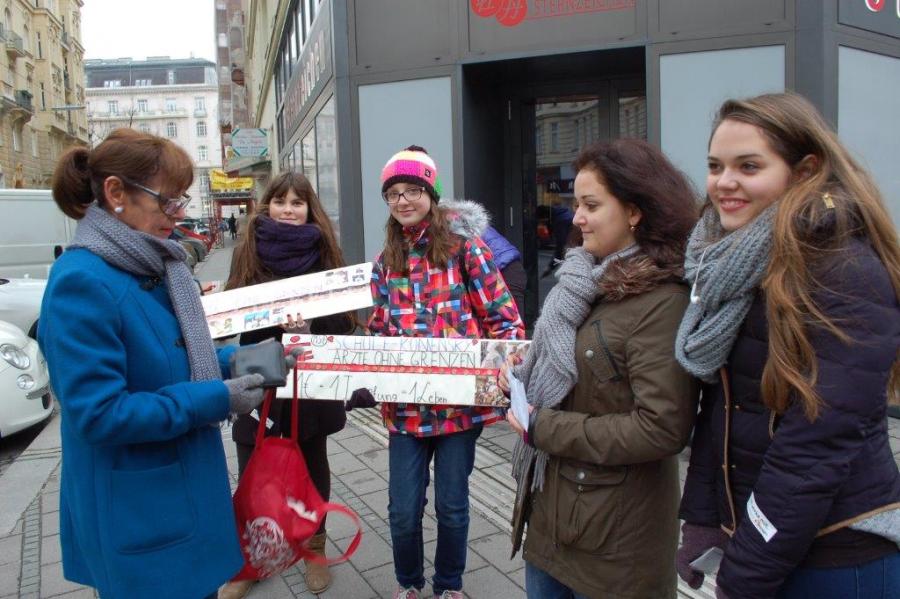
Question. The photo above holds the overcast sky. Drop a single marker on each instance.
(175, 28)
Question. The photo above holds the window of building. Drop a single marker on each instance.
(554, 137)
(202, 153)
(142, 106)
(34, 141)
(171, 105)
(199, 103)
(223, 40)
(143, 82)
(17, 137)
(298, 26)
(144, 128)
(171, 129)
(40, 47)
(310, 14)
(112, 106)
(112, 83)
(539, 138)
(170, 77)
(201, 128)
(44, 99)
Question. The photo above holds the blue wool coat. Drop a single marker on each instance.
(145, 502)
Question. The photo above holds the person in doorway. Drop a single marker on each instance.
(291, 235)
(794, 328)
(610, 406)
(145, 504)
(232, 226)
(561, 224)
(458, 292)
(469, 219)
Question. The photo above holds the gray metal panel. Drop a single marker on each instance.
(885, 19)
(545, 26)
(391, 117)
(715, 17)
(394, 34)
(868, 88)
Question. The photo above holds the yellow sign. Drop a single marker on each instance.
(219, 181)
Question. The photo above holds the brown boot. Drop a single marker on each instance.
(236, 590)
(317, 576)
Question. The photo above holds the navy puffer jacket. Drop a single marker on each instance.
(504, 252)
(804, 477)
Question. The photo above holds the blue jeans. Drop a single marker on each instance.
(878, 579)
(454, 458)
(540, 585)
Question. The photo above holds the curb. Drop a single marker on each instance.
(23, 480)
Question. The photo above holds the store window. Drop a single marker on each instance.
(326, 153)
(309, 158)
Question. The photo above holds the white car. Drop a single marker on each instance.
(25, 398)
(20, 302)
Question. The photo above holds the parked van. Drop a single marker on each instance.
(33, 232)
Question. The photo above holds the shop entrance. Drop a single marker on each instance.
(552, 107)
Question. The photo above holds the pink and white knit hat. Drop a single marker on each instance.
(412, 165)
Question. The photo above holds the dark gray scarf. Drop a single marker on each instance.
(145, 255)
(549, 370)
(725, 270)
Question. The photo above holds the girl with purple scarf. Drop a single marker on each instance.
(289, 235)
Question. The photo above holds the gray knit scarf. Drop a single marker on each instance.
(727, 269)
(548, 371)
(145, 255)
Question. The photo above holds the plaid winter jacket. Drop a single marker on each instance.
(467, 298)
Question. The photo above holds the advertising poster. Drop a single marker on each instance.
(268, 304)
(400, 369)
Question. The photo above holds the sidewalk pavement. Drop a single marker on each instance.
(30, 565)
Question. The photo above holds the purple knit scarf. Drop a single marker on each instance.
(287, 250)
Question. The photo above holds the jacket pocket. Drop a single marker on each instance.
(599, 358)
(589, 509)
(150, 509)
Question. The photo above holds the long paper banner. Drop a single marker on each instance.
(268, 304)
(401, 369)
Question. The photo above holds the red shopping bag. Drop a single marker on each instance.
(277, 507)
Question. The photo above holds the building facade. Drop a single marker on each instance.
(503, 93)
(42, 103)
(173, 98)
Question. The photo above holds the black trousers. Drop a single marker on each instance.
(515, 277)
(315, 454)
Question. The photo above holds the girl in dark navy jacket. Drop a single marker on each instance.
(794, 326)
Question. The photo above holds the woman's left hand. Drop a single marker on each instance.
(514, 422)
(295, 324)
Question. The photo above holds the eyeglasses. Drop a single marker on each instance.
(412, 195)
(169, 206)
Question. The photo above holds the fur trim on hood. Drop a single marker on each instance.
(636, 275)
(466, 218)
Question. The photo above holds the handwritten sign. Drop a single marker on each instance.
(269, 304)
(401, 369)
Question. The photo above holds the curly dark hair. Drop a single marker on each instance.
(638, 173)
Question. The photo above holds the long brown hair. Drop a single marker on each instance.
(837, 195)
(638, 173)
(441, 242)
(247, 268)
(80, 173)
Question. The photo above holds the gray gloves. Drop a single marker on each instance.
(245, 393)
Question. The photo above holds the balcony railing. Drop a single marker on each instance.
(23, 99)
(15, 47)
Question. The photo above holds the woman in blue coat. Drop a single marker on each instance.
(794, 326)
(145, 502)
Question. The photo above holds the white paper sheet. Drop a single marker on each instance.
(518, 402)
